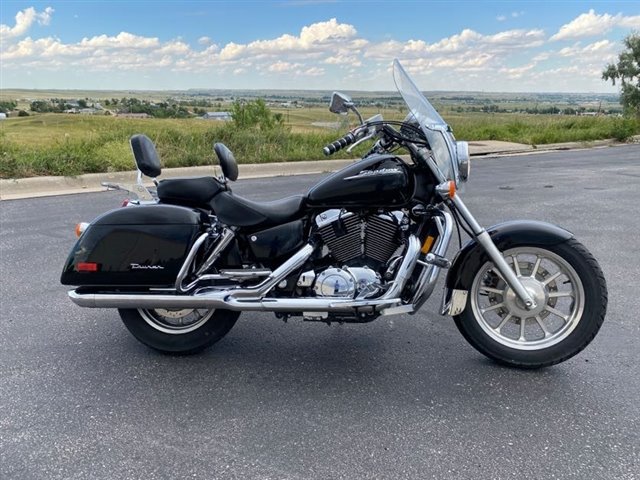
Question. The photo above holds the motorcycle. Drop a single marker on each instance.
(182, 261)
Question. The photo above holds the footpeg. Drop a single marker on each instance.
(437, 260)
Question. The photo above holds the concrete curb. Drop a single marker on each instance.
(13, 189)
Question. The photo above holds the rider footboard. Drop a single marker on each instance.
(133, 246)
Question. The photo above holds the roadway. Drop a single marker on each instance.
(402, 397)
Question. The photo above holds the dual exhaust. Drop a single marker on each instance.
(224, 299)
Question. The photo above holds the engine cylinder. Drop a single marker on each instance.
(374, 237)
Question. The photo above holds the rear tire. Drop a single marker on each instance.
(178, 332)
(571, 293)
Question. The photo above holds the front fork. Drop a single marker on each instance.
(485, 241)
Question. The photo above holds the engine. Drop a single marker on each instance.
(358, 250)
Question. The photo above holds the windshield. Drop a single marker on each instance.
(434, 127)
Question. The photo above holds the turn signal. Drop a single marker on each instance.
(447, 190)
(80, 228)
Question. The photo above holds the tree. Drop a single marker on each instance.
(255, 114)
(627, 71)
(7, 106)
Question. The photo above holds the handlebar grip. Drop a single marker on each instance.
(345, 141)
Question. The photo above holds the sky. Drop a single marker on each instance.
(500, 46)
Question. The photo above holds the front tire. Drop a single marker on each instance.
(569, 288)
(178, 332)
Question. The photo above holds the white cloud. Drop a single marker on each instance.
(316, 38)
(281, 67)
(502, 18)
(592, 24)
(466, 41)
(24, 20)
(122, 40)
(204, 41)
(313, 72)
(176, 47)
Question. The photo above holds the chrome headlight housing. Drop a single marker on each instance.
(464, 160)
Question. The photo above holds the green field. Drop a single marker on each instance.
(59, 144)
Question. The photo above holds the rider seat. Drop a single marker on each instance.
(240, 212)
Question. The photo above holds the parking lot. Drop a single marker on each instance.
(402, 397)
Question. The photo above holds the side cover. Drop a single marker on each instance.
(133, 246)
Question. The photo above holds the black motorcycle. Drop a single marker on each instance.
(182, 261)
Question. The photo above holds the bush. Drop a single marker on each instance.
(22, 113)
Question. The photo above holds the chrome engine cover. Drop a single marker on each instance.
(348, 282)
(368, 282)
(335, 282)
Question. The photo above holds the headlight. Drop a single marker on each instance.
(464, 161)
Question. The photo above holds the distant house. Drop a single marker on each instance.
(219, 116)
(72, 110)
(133, 115)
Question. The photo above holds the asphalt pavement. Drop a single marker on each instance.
(402, 397)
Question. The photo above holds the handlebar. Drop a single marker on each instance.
(339, 144)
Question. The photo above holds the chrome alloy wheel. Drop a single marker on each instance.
(549, 279)
(176, 322)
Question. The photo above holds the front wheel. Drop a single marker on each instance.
(178, 332)
(571, 296)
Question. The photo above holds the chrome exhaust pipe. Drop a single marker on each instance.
(225, 299)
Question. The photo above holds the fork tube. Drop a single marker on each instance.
(495, 256)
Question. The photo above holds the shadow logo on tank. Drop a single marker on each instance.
(371, 173)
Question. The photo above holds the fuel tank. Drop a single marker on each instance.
(133, 246)
(376, 181)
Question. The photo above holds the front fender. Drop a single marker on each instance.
(505, 236)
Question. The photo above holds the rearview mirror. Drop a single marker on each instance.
(340, 103)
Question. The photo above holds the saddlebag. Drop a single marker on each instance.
(133, 246)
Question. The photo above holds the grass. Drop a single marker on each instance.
(58, 144)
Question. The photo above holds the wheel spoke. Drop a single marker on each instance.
(557, 313)
(523, 321)
(547, 281)
(536, 266)
(492, 307)
(560, 294)
(546, 331)
(516, 265)
(484, 288)
(503, 321)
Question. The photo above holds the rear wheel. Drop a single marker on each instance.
(571, 296)
(182, 332)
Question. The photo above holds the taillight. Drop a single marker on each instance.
(87, 267)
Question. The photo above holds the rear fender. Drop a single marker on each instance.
(505, 236)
